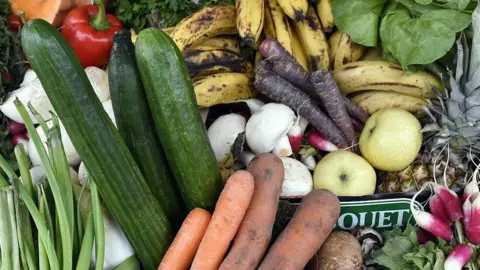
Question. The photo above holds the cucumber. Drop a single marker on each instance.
(177, 117)
(137, 129)
(110, 164)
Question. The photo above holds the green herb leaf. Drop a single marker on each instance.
(359, 18)
(422, 40)
(424, 2)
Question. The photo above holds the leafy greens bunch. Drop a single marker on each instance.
(413, 33)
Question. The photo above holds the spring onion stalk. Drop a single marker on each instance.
(66, 234)
(5, 233)
(23, 165)
(42, 252)
(13, 229)
(131, 263)
(99, 227)
(85, 256)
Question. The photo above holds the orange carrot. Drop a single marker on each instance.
(180, 254)
(255, 232)
(229, 212)
(311, 224)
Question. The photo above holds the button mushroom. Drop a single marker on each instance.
(267, 130)
(298, 179)
(223, 132)
(370, 240)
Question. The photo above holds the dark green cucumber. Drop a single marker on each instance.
(135, 124)
(110, 164)
(179, 125)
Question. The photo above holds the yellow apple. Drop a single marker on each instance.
(345, 174)
(391, 139)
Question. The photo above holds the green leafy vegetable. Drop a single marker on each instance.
(422, 40)
(402, 251)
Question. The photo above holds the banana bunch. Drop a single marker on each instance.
(223, 88)
(343, 50)
(376, 85)
(208, 60)
(324, 10)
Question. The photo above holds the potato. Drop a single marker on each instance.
(341, 251)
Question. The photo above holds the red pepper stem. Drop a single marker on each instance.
(99, 21)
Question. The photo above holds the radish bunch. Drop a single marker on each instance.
(453, 219)
(18, 132)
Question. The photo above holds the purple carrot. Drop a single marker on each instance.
(357, 125)
(278, 89)
(437, 208)
(450, 201)
(354, 110)
(327, 90)
(458, 257)
(318, 141)
(271, 48)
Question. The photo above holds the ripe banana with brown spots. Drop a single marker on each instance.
(223, 88)
(324, 10)
(250, 15)
(298, 52)
(199, 60)
(280, 24)
(313, 40)
(343, 50)
(373, 101)
(220, 42)
(384, 76)
(295, 9)
(208, 22)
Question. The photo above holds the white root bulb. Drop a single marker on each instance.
(298, 179)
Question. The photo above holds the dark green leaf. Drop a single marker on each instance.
(420, 41)
(359, 18)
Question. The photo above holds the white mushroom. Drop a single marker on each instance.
(253, 104)
(73, 157)
(204, 114)
(83, 175)
(245, 157)
(309, 161)
(267, 129)
(223, 132)
(298, 179)
(31, 91)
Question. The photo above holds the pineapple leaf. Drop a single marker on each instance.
(475, 56)
(473, 113)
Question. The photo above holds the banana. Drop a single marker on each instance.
(384, 76)
(199, 60)
(250, 20)
(220, 42)
(208, 22)
(373, 101)
(295, 9)
(268, 26)
(298, 52)
(313, 40)
(372, 54)
(223, 88)
(245, 67)
(281, 25)
(343, 50)
(168, 30)
(324, 10)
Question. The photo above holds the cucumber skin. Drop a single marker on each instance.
(177, 117)
(106, 156)
(135, 125)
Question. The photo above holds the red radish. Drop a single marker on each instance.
(317, 140)
(295, 135)
(431, 223)
(423, 236)
(471, 188)
(467, 212)
(271, 48)
(16, 127)
(458, 257)
(437, 208)
(20, 138)
(472, 221)
(450, 201)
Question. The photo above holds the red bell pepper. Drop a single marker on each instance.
(89, 30)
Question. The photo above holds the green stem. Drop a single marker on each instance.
(87, 245)
(13, 228)
(23, 166)
(99, 21)
(99, 227)
(459, 232)
(5, 234)
(42, 252)
(131, 263)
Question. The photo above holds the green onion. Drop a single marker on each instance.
(99, 227)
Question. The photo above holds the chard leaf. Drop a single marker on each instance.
(454, 4)
(422, 40)
(424, 2)
(359, 19)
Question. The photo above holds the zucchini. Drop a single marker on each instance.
(137, 129)
(177, 117)
(112, 167)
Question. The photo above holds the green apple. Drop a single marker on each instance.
(391, 139)
(345, 174)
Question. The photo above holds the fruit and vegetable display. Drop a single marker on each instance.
(247, 134)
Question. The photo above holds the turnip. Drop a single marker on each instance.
(298, 179)
(267, 129)
(16, 127)
(296, 132)
(223, 132)
(458, 257)
(318, 141)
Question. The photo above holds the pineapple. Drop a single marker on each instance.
(451, 135)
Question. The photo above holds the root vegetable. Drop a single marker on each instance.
(318, 141)
(431, 223)
(255, 232)
(181, 252)
(341, 251)
(308, 161)
(20, 138)
(357, 125)
(271, 48)
(16, 127)
(278, 89)
(296, 132)
(458, 257)
(437, 208)
(223, 132)
(298, 179)
(311, 224)
(328, 91)
(471, 220)
(470, 190)
(450, 201)
(229, 212)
